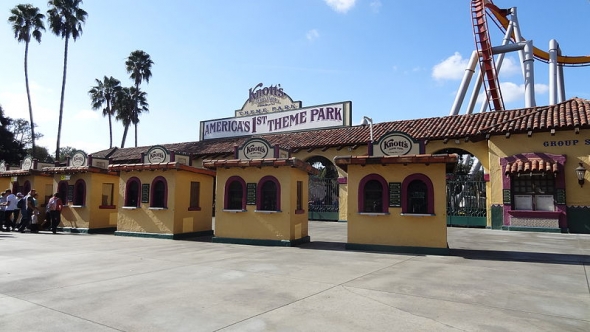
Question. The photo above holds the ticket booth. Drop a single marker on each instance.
(261, 197)
(29, 176)
(87, 191)
(397, 200)
(164, 197)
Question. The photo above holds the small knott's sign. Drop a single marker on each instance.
(269, 99)
(27, 163)
(396, 143)
(2, 166)
(79, 159)
(157, 154)
(255, 148)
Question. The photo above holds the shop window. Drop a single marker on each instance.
(159, 193)
(533, 191)
(62, 189)
(373, 194)
(235, 194)
(268, 195)
(107, 195)
(132, 192)
(195, 196)
(417, 195)
(79, 193)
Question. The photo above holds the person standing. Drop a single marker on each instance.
(34, 210)
(55, 206)
(20, 205)
(27, 212)
(11, 202)
(3, 224)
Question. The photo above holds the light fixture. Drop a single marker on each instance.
(368, 121)
(580, 173)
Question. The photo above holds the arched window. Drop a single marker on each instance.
(373, 194)
(417, 195)
(26, 187)
(132, 192)
(159, 193)
(80, 192)
(235, 194)
(268, 194)
(62, 189)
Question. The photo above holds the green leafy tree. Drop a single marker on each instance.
(104, 94)
(11, 151)
(23, 133)
(139, 66)
(129, 102)
(27, 22)
(65, 152)
(65, 20)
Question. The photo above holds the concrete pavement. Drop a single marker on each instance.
(492, 281)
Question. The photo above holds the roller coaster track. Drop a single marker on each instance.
(479, 10)
(499, 17)
(486, 57)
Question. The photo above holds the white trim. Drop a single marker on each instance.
(266, 211)
(129, 207)
(157, 208)
(233, 211)
(374, 213)
(417, 214)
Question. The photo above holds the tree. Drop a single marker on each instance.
(11, 151)
(27, 22)
(65, 152)
(139, 66)
(23, 133)
(103, 93)
(128, 103)
(65, 20)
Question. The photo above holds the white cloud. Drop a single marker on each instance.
(312, 35)
(452, 68)
(341, 6)
(512, 92)
(509, 68)
(375, 6)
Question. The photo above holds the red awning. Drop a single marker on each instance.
(531, 165)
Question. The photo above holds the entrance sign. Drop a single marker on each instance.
(315, 117)
(396, 143)
(256, 148)
(264, 100)
(27, 163)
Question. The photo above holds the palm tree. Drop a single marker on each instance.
(65, 20)
(139, 65)
(105, 92)
(128, 104)
(27, 22)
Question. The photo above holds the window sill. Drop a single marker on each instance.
(194, 208)
(266, 211)
(76, 206)
(233, 211)
(107, 207)
(157, 208)
(371, 214)
(129, 207)
(417, 214)
(535, 214)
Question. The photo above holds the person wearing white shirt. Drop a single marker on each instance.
(11, 201)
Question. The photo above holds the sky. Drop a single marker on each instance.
(393, 59)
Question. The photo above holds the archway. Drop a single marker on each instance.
(323, 190)
(466, 191)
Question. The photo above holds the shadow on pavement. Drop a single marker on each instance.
(516, 256)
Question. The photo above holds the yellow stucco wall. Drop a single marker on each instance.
(284, 225)
(576, 147)
(395, 229)
(5, 183)
(91, 215)
(176, 218)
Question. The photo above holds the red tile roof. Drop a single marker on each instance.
(569, 115)
(272, 162)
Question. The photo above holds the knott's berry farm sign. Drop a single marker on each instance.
(264, 100)
(270, 110)
(396, 143)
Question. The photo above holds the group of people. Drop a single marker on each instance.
(27, 208)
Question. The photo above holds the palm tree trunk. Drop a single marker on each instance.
(61, 103)
(110, 125)
(135, 125)
(33, 152)
(135, 114)
(124, 136)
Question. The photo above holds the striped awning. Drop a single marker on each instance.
(531, 165)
